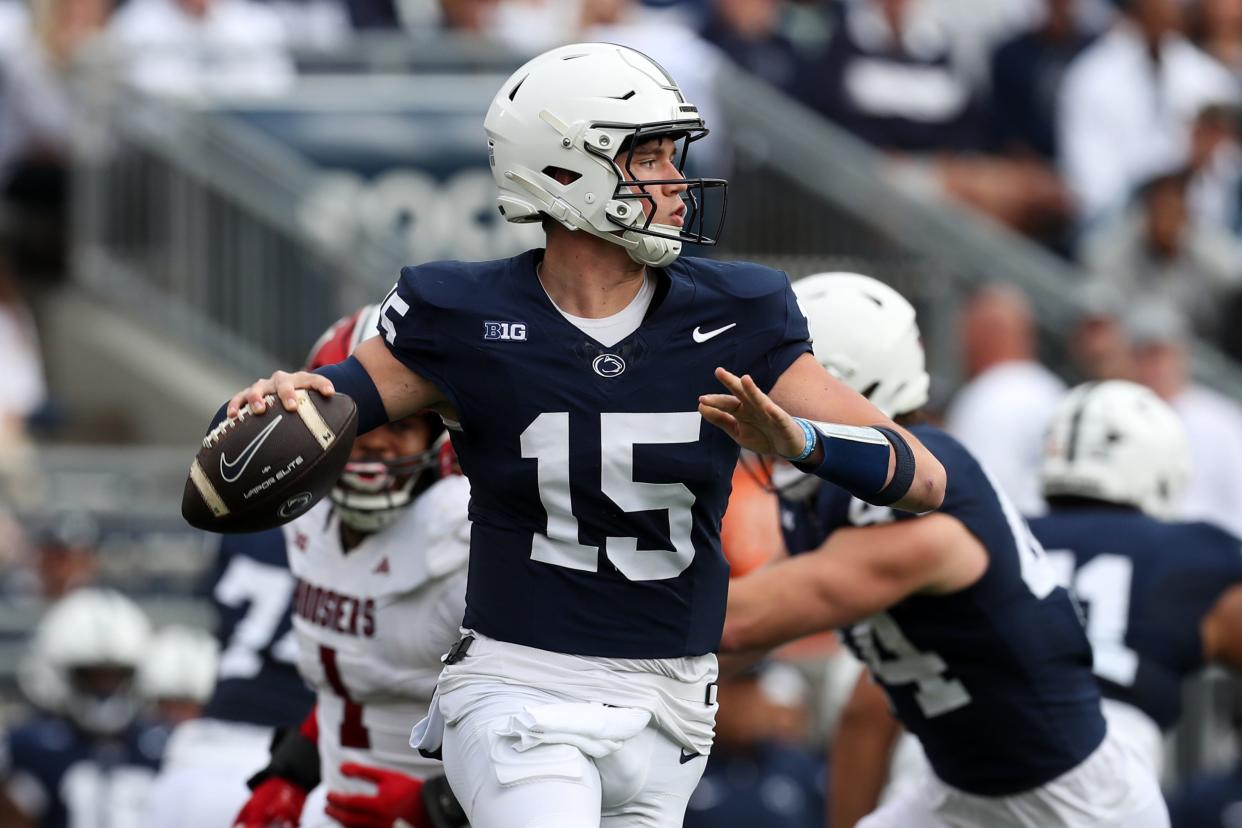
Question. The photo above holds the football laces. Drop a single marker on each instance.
(217, 433)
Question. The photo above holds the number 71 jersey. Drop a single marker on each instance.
(597, 488)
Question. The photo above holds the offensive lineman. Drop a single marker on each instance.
(581, 693)
(1161, 598)
(957, 614)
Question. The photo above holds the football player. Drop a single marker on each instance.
(957, 614)
(581, 374)
(373, 581)
(380, 582)
(1162, 598)
(89, 759)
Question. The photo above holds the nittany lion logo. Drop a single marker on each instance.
(295, 505)
(608, 365)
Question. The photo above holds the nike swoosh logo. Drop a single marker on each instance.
(686, 757)
(701, 336)
(247, 454)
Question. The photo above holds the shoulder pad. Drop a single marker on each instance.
(442, 514)
(452, 285)
(741, 280)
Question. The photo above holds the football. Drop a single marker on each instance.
(258, 471)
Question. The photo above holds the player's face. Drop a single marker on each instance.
(656, 160)
(400, 439)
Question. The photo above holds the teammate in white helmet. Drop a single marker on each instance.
(582, 375)
(88, 758)
(957, 615)
(178, 672)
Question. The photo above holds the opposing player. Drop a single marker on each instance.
(1162, 598)
(380, 573)
(581, 376)
(90, 757)
(957, 614)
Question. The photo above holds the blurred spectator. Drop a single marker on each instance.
(66, 557)
(24, 390)
(1000, 413)
(752, 778)
(1213, 422)
(1216, 28)
(749, 32)
(662, 36)
(195, 48)
(1128, 102)
(1154, 252)
(888, 77)
(87, 759)
(178, 672)
(1216, 170)
(481, 17)
(1026, 75)
(328, 24)
(1099, 344)
(1209, 800)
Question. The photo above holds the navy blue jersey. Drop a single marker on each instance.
(597, 488)
(1207, 801)
(257, 681)
(67, 778)
(995, 679)
(1145, 587)
(769, 786)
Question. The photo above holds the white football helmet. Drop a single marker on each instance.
(576, 108)
(1117, 441)
(180, 664)
(84, 657)
(864, 333)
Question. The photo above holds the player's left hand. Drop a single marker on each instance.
(398, 797)
(751, 418)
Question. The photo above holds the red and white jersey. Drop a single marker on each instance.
(373, 622)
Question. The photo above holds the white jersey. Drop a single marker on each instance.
(372, 624)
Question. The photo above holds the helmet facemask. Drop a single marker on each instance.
(371, 493)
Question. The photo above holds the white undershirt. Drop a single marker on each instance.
(609, 330)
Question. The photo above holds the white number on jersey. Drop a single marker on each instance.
(266, 591)
(894, 660)
(1103, 584)
(98, 798)
(546, 440)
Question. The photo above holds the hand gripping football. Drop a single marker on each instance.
(258, 471)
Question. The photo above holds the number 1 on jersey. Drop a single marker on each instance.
(546, 440)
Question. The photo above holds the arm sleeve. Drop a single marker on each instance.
(792, 338)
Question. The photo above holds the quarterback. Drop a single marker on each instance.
(586, 382)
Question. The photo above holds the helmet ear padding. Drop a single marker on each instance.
(582, 109)
(1118, 442)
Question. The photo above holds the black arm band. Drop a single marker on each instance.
(294, 759)
(349, 377)
(903, 469)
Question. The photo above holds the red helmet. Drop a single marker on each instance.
(371, 492)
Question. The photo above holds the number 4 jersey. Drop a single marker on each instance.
(995, 679)
(597, 487)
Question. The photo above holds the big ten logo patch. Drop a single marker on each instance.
(504, 331)
(429, 219)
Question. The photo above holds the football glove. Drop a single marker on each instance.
(275, 803)
(396, 803)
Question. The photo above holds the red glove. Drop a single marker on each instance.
(399, 797)
(276, 803)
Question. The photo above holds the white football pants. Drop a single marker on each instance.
(1112, 788)
(202, 783)
(503, 780)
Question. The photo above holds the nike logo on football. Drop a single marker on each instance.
(703, 336)
(686, 757)
(247, 454)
